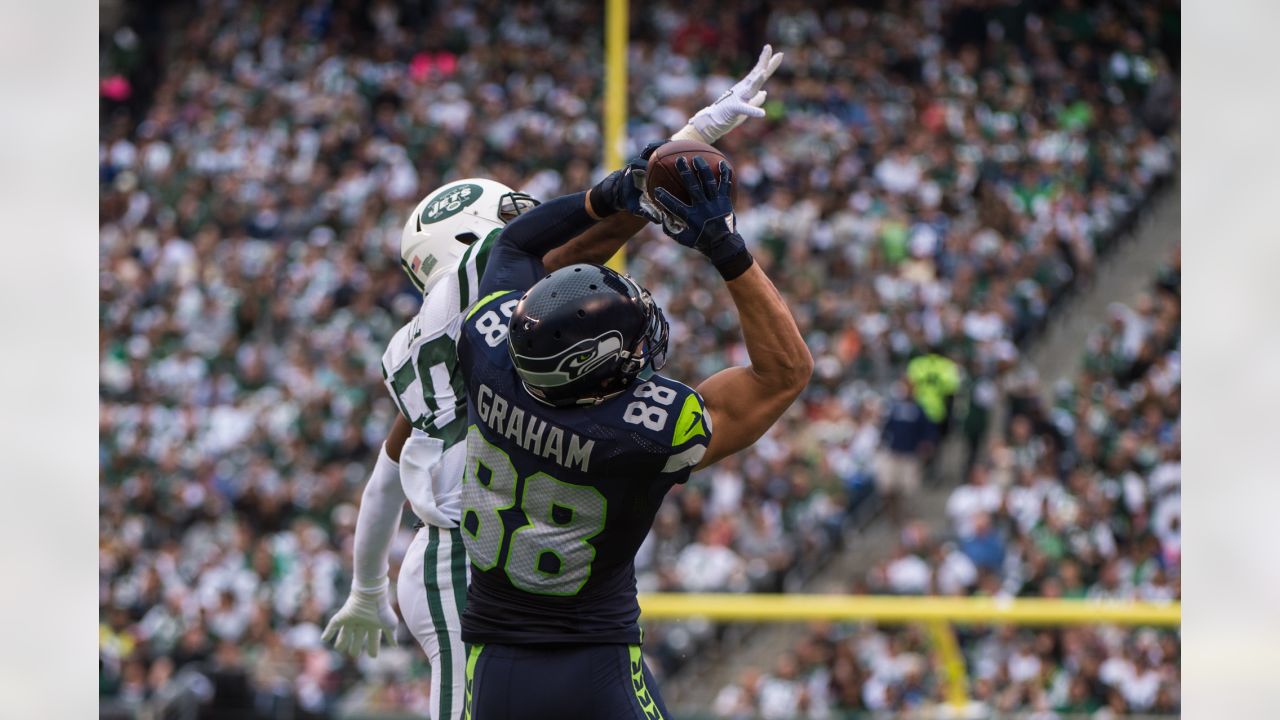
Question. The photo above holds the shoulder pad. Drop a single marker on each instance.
(484, 325)
(671, 416)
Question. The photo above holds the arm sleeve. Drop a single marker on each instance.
(516, 260)
(376, 524)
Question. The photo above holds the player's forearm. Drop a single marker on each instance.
(399, 433)
(376, 523)
(599, 243)
(549, 225)
(516, 262)
(779, 357)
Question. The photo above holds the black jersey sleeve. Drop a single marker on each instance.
(516, 259)
(482, 335)
(669, 422)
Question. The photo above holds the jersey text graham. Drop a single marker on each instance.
(532, 432)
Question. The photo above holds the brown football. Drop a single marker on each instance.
(662, 166)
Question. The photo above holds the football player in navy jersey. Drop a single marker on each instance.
(574, 439)
(444, 249)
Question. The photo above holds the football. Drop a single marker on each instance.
(662, 166)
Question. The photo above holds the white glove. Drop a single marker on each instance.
(360, 622)
(738, 103)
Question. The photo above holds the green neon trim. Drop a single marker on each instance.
(473, 656)
(484, 301)
(647, 705)
(691, 423)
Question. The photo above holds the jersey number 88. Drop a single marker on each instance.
(551, 553)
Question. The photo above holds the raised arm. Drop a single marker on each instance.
(743, 402)
(516, 260)
(599, 242)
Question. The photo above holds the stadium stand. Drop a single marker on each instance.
(1080, 499)
(930, 175)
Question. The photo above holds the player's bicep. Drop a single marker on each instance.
(485, 323)
(742, 407)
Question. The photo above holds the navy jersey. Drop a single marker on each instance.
(556, 501)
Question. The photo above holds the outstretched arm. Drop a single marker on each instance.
(597, 244)
(516, 259)
(744, 100)
(743, 402)
(738, 103)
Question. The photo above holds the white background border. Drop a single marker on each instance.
(1231, 368)
(48, 359)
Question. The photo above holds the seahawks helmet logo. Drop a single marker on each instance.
(572, 363)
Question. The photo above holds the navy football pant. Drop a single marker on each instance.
(533, 682)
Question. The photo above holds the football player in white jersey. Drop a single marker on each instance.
(444, 247)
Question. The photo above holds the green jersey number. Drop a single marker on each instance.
(551, 553)
(427, 389)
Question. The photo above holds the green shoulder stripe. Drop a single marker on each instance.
(484, 301)
(471, 268)
(481, 257)
(464, 284)
(692, 421)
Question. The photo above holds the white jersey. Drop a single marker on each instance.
(420, 370)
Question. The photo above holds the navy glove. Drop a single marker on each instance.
(709, 221)
(622, 189)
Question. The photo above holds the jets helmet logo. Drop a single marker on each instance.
(571, 363)
(450, 202)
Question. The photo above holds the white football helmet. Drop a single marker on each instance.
(451, 218)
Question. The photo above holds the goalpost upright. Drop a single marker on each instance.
(937, 614)
(615, 95)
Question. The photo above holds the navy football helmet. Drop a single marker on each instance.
(583, 334)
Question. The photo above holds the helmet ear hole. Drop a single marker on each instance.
(466, 238)
(582, 313)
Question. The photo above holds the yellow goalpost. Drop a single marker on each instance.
(938, 614)
(615, 95)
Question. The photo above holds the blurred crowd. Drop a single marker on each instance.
(1080, 498)
(932, 175)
